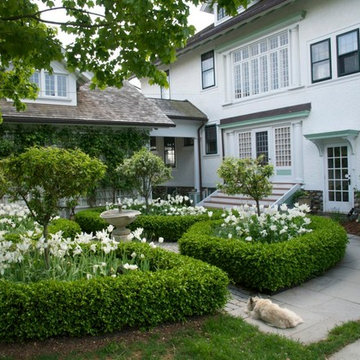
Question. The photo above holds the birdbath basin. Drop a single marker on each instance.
(120, 219)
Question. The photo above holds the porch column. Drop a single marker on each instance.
(196, 165)
(298, 156)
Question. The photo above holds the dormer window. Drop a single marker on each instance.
(221, 13)
(55, 85)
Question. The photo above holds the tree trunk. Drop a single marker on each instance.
(258, 206)
(113, 195)
(46, 250)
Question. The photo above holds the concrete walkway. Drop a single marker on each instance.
(323, 302)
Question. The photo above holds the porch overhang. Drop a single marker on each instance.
(324, 138)
(286, 113)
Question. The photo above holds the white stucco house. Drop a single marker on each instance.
(282, 79)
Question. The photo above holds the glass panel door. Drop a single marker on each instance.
(338, 178)
(262, 145)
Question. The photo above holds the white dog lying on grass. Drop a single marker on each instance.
(272, 314)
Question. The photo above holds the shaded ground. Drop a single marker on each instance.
(65, 346)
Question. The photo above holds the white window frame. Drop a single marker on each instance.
(56, 96)
(259, 56)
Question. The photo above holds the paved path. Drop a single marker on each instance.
(323, 302)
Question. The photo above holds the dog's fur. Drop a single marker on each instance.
(272, 314)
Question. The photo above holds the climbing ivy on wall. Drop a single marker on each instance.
(110, 145)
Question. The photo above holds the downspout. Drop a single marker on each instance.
(222, 144)
(199, 152)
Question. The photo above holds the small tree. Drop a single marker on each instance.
(246, 176)
(144, 170)
(41, 177)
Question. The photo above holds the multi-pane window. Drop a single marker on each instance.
(35, 78)
(321, 61)
(55, 85)
(262, 66)
(338, 173)
(262, 146)
(221, 13)
(348, 56)
(211, 139)
(207, 69)
(169, 151)
(165, 92)
(283, 146)
(245, 145)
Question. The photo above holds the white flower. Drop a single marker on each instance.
(130, 267)
(133, 254)
(229, 236)
(113, 275)
(142, 256)
(143, 240)
(249, 238)
(110, 228)
(93, 247)
(88, 276)
(273, 227)
(161, 239)
(152, 245)
(210, 214)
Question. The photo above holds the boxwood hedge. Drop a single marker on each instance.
(171, 228)
(177, 287)
(269, 267)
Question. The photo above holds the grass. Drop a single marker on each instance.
(219, 337)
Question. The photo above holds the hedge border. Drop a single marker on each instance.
(179, 288)
(269, 267)
(170, 227)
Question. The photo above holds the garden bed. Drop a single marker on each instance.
(169, 227)
(176, 287)
(268, 267)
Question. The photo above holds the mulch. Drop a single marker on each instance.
(352, 227)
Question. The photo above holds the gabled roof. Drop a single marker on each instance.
(179, 109)
(253, 12)
(112, 106)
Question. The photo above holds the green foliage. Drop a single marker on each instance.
(69, 228)
(90, 220)
(246, 176)
(171, 228)
(269, 267)
(26, 42)
(144, 170)
(43, 176)
(180, 287)
(110, 145)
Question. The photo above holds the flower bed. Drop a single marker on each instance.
(175, 287)
(168, 219)
(268, 267)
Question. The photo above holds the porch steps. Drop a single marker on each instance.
(281, 192)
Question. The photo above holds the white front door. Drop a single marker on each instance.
(338, 190)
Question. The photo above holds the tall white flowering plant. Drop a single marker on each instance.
(272, 225)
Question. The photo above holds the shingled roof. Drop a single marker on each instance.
(112, 106)
(179, 109)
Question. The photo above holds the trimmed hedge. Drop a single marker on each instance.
(269, 267)
(180, 287)
(90, 220)
(171, 228)
(69, 228)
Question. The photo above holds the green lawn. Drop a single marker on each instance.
(219, 337)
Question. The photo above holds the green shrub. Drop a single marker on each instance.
(13, 237)
(68, 227)
(180, 287)
(171, 228)
(269, 267)
(90, 220)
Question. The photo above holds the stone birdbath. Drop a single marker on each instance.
(120, 218)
